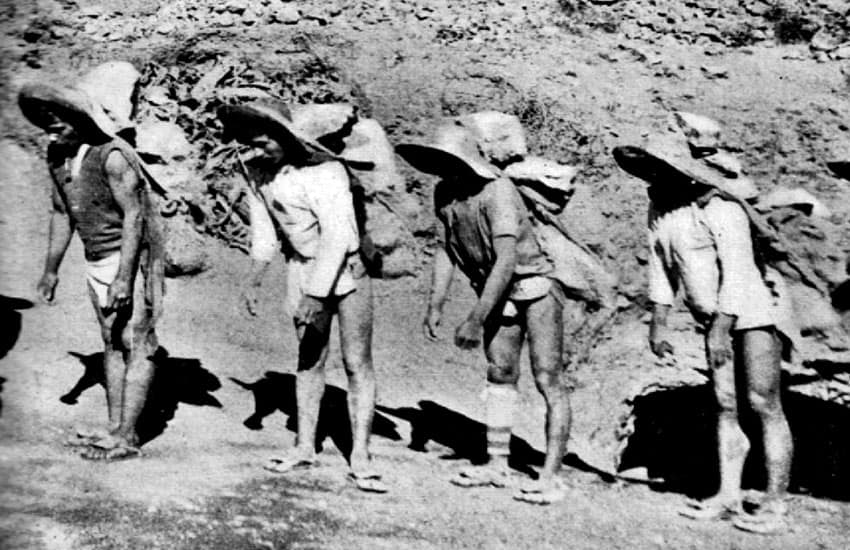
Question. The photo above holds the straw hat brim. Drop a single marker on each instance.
(668, 162)
(244, 122)
(439, 162)
(40, 103)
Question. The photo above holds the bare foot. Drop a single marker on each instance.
(542, 491)
(716, 507)
(111, 448)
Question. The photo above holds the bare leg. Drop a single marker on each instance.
(502, 345)
(733, 447)
(545, 338)
(310, 387)
(761, 353)
(114, 368)
(140, 343)
(355, 334)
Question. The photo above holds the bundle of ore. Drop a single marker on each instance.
(180, 138)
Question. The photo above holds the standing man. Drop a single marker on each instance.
(101, 193)
(700, 240)
(301, 192)
(488, 235)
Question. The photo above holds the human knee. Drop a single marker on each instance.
(549, 382)
(502, 373)
(727, 401)
(765, 402)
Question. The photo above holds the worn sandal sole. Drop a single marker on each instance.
(283, 466)
(368, 483)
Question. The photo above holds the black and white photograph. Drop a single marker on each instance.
(424, 274)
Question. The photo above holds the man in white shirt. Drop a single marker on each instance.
(700, 241)
(301, 192)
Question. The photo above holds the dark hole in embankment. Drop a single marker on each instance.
(675, 441)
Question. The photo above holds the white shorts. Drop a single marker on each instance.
(101, 273)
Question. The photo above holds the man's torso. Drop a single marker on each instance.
(96, 216)
(470, 233)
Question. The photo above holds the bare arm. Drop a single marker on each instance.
(657, 331)
(59, 237)
(441, 282)
(468, 334)
(127, 189)
(263, 247)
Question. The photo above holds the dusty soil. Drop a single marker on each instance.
(583, 78)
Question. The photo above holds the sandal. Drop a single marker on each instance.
(86, 438)
(369, 481)
(290, 463)
(542, 492)
(711, 508)
(110, 454)
(768, 519)
(482, 476)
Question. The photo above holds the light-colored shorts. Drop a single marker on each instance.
(299, 273)
(525, 290)
(101, 273)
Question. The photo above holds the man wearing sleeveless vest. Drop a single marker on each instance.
(701, 241)
(100, 192)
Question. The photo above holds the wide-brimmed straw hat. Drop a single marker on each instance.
(453, 152)
(270, 117)
(667, 159)
(114, 85)
(41, 102)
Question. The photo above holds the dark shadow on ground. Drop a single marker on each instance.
(2, 381)
(176, 380)
(276, 392)
(10, 322)
(675, 440)
(467, 438)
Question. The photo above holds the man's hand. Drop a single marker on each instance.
(661, 348)
(46, 287)
(718, 341)
(119, 295)
(431, 323)
(311, 311)
(249, 298)
(468, 334)
(658, 332)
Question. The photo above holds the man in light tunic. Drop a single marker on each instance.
(701, 243)
(300, 201)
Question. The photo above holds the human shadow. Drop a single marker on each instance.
(275, 391)
(467, 438)
(675, 440)
(176, 380)
(10, 320)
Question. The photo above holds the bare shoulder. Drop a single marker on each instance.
(116, 164)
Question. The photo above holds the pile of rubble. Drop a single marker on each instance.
(180, 137)
(717, 24)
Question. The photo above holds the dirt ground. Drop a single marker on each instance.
(592, 80)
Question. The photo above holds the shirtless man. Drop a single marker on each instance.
(99, 192)
(700, 241)
(301, 190)
(488, 235)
